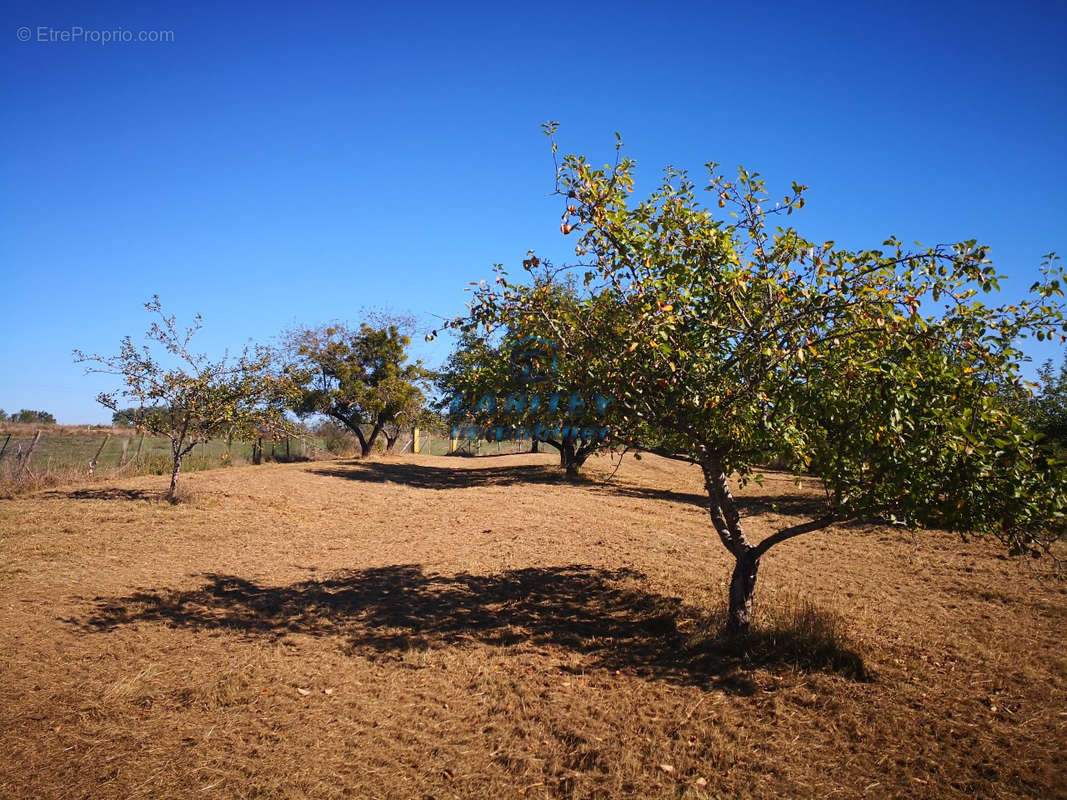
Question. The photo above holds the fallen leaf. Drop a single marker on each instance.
(666, 767)
(304, 692)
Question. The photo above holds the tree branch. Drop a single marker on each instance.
(795, 530)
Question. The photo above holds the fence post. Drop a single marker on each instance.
(24, 461)
(92, 464)
(2, 449)
(125, 447)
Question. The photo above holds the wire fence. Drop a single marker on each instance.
(438, 443)
(33, 456)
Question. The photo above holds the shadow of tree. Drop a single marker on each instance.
(110, 493)
(603, 614)
(421, 476)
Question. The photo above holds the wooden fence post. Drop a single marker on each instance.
(24, 460)
(92, 464)
(125, 447)
(2, 449)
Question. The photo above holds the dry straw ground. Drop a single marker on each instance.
(431, 627)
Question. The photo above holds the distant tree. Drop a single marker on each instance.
(183, 395)
(1049, 408)
(129, 417)
(730, 343)
(358, 378)
(3, 415)
(29, 417)
(482, 386)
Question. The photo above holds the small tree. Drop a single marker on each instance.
(357, 378)
(183, 395)
(730, 344)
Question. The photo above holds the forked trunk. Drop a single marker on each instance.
(742, 591)
(726, 519)
(366, 444)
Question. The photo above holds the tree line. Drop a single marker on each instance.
(28, 417)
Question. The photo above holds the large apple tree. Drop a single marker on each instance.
(889, 375)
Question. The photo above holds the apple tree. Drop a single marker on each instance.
(511, 379)
(358, 378)
(184, 396)
(729, 341)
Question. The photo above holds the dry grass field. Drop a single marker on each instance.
(425, 627)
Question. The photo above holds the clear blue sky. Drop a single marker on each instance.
(281, 163)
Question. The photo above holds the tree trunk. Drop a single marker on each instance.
(726, 520)
(533, 447)
(742, 591)
(567, 458)
(174, 478)
(367, 445)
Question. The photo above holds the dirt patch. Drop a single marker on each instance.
(435, 627)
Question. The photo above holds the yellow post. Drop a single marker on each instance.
(415, 441)
(452, 444)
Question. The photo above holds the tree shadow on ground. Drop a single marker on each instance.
(422, 476)
(109, 493)
(605, 615)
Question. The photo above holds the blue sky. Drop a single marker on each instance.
(276, 164)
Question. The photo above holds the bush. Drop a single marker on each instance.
(337, 439)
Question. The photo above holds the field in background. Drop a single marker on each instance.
(64, 452)
(67, 447)
(470, 628)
